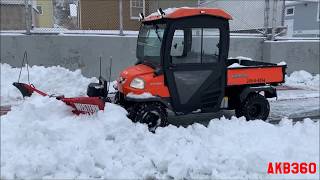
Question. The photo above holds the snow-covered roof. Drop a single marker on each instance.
(174, 13)
(290, 3)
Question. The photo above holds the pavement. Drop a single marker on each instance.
(293, 103)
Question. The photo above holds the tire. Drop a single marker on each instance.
(254, 107)
(152, 114)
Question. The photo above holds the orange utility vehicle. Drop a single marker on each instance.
(183, 66)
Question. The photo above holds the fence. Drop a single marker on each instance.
(121, 16)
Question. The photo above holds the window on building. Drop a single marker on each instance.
(136, 7)
(73, 10)
(39, 8)
(289, 11)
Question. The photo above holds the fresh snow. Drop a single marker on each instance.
(166, 11)
(282, 63)
(52, 80)
(303, 79)
(41, 138)
(243, 58)
(235, 65)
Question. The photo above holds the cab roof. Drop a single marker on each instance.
(175, 13)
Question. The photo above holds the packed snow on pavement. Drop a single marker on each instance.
(41, 138)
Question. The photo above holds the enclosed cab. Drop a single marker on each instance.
(183, 66)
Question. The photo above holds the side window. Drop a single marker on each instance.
(210, 48)
(195, 45)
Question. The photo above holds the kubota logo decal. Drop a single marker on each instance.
(239, 76)
(90, 108)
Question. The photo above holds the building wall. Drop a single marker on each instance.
(305, 21)
(46, 18)
(247, 14)
(104, 14)
(13, 17)
(153, 5)
(305, 16)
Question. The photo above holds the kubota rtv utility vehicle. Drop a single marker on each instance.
(183, 66)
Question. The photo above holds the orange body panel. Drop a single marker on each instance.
(254, 75)
(153, 85)
(235, 76)
(187, 12)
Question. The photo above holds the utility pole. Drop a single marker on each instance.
(120, 19)
(266, 17)
(283, 12)
(27, 17)
(274, 18)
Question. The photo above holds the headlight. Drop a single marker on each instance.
(137, 83)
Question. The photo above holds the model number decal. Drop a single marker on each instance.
(90, 108)
(258, 80)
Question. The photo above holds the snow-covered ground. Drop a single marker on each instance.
(41, 138)
(54, 80)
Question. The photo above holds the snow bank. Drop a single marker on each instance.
(41, 138)
(303, 79)
(53, 80)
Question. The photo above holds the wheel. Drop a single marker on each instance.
(254, 107)
(152, 114)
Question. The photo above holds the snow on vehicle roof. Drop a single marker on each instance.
(175, 13)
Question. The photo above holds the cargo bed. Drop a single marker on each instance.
(242, 72)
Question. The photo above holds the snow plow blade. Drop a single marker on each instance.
(27, 89)
(85, 105)
(80, 105)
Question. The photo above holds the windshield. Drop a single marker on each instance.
(149, 43)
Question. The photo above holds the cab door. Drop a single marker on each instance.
(194, 63)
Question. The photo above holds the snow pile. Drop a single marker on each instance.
(235, 65)
(52, 80)
(282, 63)
(41, 138)
(166, 11)
(241, 58)
(303, 79)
